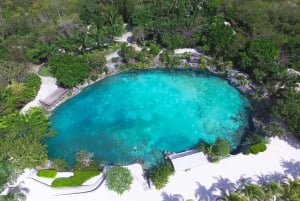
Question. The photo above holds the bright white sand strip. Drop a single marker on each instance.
(125, 38)
(48, 86)
(201, 183)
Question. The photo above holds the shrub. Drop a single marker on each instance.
(69, 70)
(59, 164)
(255, 138)
(45, 72)
(85, 161)
(256, 148)
(31, 87)
(221, 147)
(94, 77)
(160, 175)
(47, 173)
(118, 179)
(154, 49)
(115, 59)
(79, 177)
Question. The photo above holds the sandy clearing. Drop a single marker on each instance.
(48, 86)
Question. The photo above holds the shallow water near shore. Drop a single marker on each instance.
(139, 115)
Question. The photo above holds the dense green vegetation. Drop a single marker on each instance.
(47, 173)
(256, 148)
(288, 190)
(79, 177)
(118, 179)
(261, 38)
(221, 148)
(160, 174)
(21, 138)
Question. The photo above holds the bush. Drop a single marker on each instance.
(154, 49)
(256, 148)
(47, 173)
(59, 164)
(85, 161)
(31, 87)
(69, 70)
(79, 177)
(118, 179)
(115, 59)
(94, 77)
(160, 175)
(45, 72)
(221, 147)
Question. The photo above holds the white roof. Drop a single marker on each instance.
(185, 50)
(184, 161)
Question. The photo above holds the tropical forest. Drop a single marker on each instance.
(70, 38)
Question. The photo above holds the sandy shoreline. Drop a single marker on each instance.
(280, 160)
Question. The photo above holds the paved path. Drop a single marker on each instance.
(125, 38)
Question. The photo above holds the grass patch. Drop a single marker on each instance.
(49, 173)
(79, 177)
(45, 72)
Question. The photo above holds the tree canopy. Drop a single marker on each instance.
(118, 179)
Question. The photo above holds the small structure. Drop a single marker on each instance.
(54, 98)
(185, 50)
(184, 161)
(194, 59)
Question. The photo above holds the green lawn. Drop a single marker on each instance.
(80, 176)
(49, 173)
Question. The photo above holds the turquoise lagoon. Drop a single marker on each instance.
(139, 115)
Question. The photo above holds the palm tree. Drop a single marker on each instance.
(232, 196)
(14, 194)
(291, 190)
(273, 191)
(254, 192)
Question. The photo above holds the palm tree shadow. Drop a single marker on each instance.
(276, 176)
(203, 194)
(170, 197)
(291, 167)
(243, 180)
(262, 179)
(291, 140)
(225, 184)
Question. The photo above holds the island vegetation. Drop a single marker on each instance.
(258, 37)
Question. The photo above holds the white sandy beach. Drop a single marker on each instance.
(201, 183)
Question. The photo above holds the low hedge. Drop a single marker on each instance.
(48, 173)
(256, 148)
(79, 177)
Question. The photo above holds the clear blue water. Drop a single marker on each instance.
(138, 115)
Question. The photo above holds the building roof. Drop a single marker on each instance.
(184, 161)
(54, 97)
